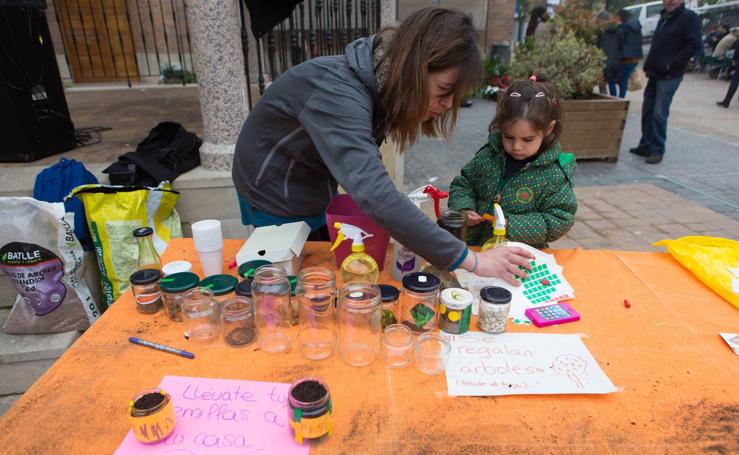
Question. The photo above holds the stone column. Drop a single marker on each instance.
(219, 64)
(388, 13)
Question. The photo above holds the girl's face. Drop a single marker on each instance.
(522, 140)
(441, 98)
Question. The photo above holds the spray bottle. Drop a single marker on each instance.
(499, 234)
(358, 266)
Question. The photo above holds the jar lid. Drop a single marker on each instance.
(421, 282)
(143, 232)
(179, 282)
(220, 284)
(145, 276)
(247, 269)
(388, 293)
(244, 288)
(456, 298)
(495, 294)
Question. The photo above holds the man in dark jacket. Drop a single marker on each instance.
(676, 39)
(734, 78)
(630, 42)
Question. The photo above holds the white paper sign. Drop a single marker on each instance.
(482, 364)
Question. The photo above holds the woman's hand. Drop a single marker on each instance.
(501, 262)
(473, 218)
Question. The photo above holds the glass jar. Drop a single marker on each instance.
(454, 222)
(390, 312)
(151, 415)
(271, 295)
(420, 300)
(221, 285)
(173, 289)
(432, 353)
(397, 340)
(455, 310)
(359, 323)
(148, 256)
(248, 268)
(310, 409)
(146, 291)
(315, 291)
(495, 303)
(200, 315)
(237, 322)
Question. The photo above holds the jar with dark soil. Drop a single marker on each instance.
(237, 322)
(310, 410)
(173, 289)
(455, 222)
(151, 414)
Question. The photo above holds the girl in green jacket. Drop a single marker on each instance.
(522, 168)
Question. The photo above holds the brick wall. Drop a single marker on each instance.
(500, 21)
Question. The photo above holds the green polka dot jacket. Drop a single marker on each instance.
(538, 201)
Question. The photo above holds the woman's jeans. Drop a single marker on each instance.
(623, 72)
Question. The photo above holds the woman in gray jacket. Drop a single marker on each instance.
(321, 123)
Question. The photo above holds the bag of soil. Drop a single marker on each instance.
(41, 256)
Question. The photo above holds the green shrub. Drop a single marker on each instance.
(173, 75)
(573, 66)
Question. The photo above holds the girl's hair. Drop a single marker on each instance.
(535, 100)
(430, 40)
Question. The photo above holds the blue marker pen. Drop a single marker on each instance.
(161, 347)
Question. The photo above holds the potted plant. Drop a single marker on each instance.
(496, 78)
(567, 55)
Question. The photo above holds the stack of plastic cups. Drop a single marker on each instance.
(208, 241)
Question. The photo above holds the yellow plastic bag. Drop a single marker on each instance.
(113, 212)
(711, 260)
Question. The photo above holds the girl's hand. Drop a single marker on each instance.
(473, 218)
(503, 262)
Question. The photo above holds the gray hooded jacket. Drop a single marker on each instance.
(321, 123)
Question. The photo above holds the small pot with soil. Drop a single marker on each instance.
(310, 411)
(151, 414)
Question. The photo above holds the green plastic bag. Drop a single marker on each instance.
(711, 259)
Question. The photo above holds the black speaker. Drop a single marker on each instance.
(34, 117)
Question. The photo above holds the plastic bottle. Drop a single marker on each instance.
(148, 257)
(499, 233)
(358, 266)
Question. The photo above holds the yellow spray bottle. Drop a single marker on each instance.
(358, 266)
(498, 238)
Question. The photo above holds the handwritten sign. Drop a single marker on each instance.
(481, 364)
(221, 416)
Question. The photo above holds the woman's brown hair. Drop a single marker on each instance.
(430, 40)
(535, 100)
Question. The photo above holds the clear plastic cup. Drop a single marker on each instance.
(431, 352)
(397, 340)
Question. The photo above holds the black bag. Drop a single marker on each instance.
(168, 151)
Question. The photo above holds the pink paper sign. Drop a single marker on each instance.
(223, 416)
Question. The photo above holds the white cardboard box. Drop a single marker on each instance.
(281, 245)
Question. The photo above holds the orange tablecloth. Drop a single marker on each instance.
(680, 380)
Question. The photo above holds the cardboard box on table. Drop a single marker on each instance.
(281, 245)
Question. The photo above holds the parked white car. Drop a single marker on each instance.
(648, 15)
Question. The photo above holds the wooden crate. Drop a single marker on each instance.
(593, 128)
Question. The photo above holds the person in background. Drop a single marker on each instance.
(320, 125)
(725, 44)
(521, 167)
(537, 21)
(608, 42)
(734, 78)
(630, 42)
(676, 39)
(715, 36)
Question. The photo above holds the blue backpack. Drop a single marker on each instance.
(54, 183)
